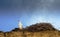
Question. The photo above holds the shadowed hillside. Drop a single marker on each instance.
(40, 27)
(36, 30)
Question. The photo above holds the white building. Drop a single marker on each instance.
(20, 25)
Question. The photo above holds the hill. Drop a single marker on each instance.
(36, 30)
(40, 27)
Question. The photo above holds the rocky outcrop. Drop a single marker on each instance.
(40, 27)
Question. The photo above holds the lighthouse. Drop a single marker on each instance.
(20, 25)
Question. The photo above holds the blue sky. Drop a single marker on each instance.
(28, 12)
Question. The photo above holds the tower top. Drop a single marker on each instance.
(20, 25)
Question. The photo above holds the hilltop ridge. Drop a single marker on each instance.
(40, 27)
(37, 27)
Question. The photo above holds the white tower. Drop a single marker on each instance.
(20, 25)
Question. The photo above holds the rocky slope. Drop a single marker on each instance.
(40, 27)
(36, 30)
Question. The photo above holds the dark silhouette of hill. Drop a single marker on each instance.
(37, 27)
(40, 27)
(16, 29)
